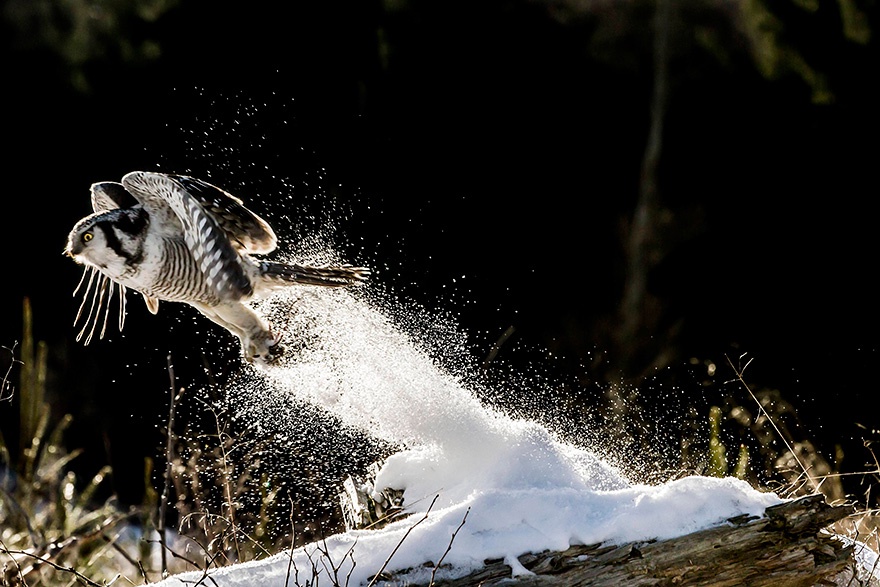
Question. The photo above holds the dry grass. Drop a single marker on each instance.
(217, 502)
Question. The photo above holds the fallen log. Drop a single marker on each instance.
(789, 546)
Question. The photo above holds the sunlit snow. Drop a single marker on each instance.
(503, 486)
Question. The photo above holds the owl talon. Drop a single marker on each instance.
(266, 354)
(274, 352)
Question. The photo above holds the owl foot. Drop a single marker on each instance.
(264, 351)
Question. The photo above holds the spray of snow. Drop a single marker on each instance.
(503, 486)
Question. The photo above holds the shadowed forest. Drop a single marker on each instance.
(629, 201)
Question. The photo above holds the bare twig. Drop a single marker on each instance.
(761, 409)
(290, 562)
(112, 542)
(45, 561)
(448, 547)
(4, 382)
(333, 570)
(169, 460)
(231, 527)
(410, 529)
(186, 559)
(353, 564)
(79, 535)
(312, 563)
(12, 501)
(14, 562)
(205, 576)
(226, 475)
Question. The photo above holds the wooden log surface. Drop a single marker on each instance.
(787, 547)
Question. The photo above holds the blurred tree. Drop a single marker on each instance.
(672, 40)
(82, 32)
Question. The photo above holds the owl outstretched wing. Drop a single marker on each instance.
(247, 231)
(107, 195)
(172, 204)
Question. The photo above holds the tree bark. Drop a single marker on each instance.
(788, 547)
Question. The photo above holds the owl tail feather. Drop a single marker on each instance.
(304, 274)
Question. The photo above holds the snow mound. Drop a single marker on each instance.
(503, 487)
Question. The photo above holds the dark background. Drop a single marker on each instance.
(485, 158)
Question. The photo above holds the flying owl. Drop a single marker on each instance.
(180, 239)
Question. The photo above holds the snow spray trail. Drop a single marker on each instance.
(518, 487)
(349, 356)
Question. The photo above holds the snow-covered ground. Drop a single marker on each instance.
(502, 486)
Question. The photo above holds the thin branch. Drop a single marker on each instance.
(333, 571)
(56, 566)
(78, 536)
(231, 528)
(177, 555)
(290, 562)
(205, 576)
(448, 547)
(410, 529)
(14, 562)
(111, 541)
(227, 488)
(315, 571)
(12, 501)
(4, 382)
(353, 564)
(163, 501)
(761, 409)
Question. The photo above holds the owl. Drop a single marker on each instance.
(180, 239)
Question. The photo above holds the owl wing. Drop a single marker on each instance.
(108, 195)
(247, 231)
(170, 203)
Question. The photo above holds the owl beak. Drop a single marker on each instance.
(72, 250)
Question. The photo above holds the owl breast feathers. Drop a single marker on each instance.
(180, 239)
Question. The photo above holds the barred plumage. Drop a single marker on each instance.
(180, 239)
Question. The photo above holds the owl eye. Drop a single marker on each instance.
(86, 237)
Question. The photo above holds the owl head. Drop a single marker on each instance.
(111, 240)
